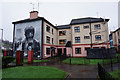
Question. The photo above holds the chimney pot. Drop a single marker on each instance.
(33, 14)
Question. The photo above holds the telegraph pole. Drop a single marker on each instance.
(90, 34)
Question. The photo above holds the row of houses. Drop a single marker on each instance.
(46, 40)
(115, 39)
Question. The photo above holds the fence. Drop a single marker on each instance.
(103, 74)
(101, 53)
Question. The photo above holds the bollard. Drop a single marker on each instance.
(5, 52)
(19, 58)
(30, 56)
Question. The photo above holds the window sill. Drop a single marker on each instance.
(77, 42)
(99, 40)
(77, 53)
(97, 29)
(76, 32)
(62, 35)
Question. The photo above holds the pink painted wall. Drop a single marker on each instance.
(69, 51)
(83, 51)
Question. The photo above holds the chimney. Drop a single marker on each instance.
(33, 14)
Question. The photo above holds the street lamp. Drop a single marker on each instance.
(1, 38)
(2, 34)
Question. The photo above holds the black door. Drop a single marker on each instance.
(64, 52)
(59, 51)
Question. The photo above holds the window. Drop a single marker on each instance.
(78, 50)
(47, 39)
(95, 47)
(77, 39)
(77, 29)
(97, 26)
(52, 40)
(52, 31)
(62, 41)
(85, 27)
(98, 37)
(86, 37)
(103, 47)
(87, 48)
(61, 33)
(119, 41)
(47, 51)
(47, 28)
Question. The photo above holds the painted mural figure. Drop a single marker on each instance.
(29, 43)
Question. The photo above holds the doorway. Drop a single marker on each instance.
(59, 51)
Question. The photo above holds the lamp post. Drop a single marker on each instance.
(1, 38)
(2, 34)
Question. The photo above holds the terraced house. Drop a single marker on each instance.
(84, 33)
(115, 39)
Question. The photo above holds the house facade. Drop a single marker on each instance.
(115, 39)
(84, 33)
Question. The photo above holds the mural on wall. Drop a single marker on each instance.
(28, 38)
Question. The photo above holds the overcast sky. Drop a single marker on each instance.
(59, 13)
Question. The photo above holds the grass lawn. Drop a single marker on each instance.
(90, 61)
(26, 60)
(33, 72)
(116, 74)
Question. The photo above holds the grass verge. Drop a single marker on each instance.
(33, 72)
(116, 74)
(26, 60)
(86, 61)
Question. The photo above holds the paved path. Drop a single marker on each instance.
(74, 71)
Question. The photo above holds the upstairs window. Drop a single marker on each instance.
(77, 39)
(85, 27)
(62, 41)
(77, 29)
(47, 39)
(98, 37)
(86, 37)
(52, 40)
(119, 41)
(47, 28)
(52, 31)
(97, 26)
(62, 33)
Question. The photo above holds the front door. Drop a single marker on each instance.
(59, 51)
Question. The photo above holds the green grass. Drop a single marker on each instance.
(116, 74)
(90, 61)
(26, 60)
(33, 72)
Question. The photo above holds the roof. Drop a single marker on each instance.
(115, 30)
(63, 27)
(30, 20)
(87, 20)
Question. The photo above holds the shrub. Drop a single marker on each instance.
(6, 60)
